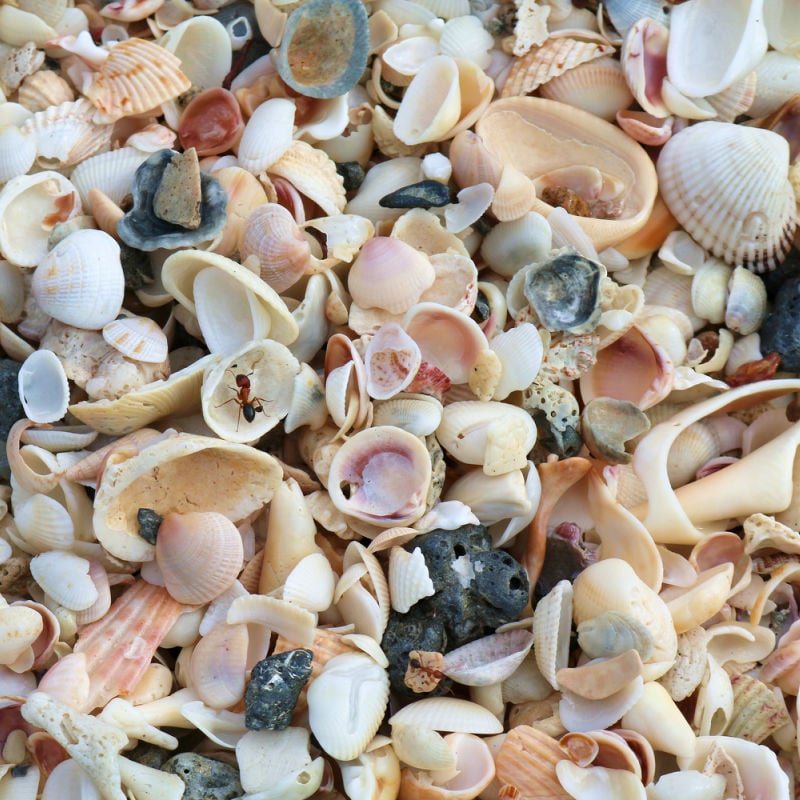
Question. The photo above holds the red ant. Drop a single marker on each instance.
(249, 406)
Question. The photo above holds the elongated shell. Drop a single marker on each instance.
(728, 186)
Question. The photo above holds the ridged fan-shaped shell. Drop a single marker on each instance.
(448, 714)
(139, 338)
(346, 704)
(111, 172)
(728, 186)
(552, 621)
(17, 152)
(137, 76)
(313, 173)
(43, 89)
(65, 577)
(43, 524)
(409, 578)
(488, 660)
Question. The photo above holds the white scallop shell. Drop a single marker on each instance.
(728, 186)
(65, 577)
(43, 387)
(80, 281)
(111, 172)
(346, 704)
(409, 578)
(17, 152)
(448, 714)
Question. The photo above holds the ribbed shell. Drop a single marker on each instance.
(728, 186)
(111, 172)
(139, 338)
(137, 76)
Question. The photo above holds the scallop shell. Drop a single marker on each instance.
(43, 387)
(111, 172)
(65, 577)
(137, 76)
(43, 89)
(315, 63)
(30, 206)
(17, 152)
(191, 472)
(728, 186)
(139, 338)
(527, 761)
(80, 281)
(199, 555)
(447, 714)
(409, 578)
(528, 132)
(346, 704)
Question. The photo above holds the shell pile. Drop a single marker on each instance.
(399, 399)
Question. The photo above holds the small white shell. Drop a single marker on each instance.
(311, 583)
(17, 152)
(65, 577)
(448, 714)
(267, 135)
(409, 578)
(43, 387)
(346, 704)
(139, 338)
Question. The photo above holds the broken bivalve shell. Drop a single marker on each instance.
(497, 435)
(199, 553)
(448, 714)
(43, 387)
(139, 338)
(489, 659)
(346, 703)
(745, 170)
(80, 281)
(391, 360)
(386, 472)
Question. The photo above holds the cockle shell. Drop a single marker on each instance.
(137, 76)
(139, 338)
(257, 151)
(80, 281)
(388, 474)
(111, 172)
(192, 472)
(391, 360)
(527, 762)
(217, 666)
(728, 186)
(211, 122)
(199, 555)
(346, 704)
(43, 89)
(527, 131)
(43, 387)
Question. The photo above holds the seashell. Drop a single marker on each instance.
(591, 782)
(17, 152)
(255, 367)
(539, 124)
(211, 122)
(65, 134)
(374, 278)
(564, 292)
(308, 401)
(612, 585)
(193, 471)
(380, 179)
(623, 13)
(65, 577)
(218, 297)
(311, 583)
(552, 623)
(521, 352)
(44, 88)
(409, 579)
(312, 173)
(697, 74)
(613, 374)
(644, 127)
(598, 87)
(698, 603)
(111, 172)
(271, 235)
(170, 209)
(496, 435)
(556, 56)
(199, 555)
(278, 616)
(464, 36)
(375, 774)
(137, 76)
(245, 194)
(447, 339)
(352, 689)
(30, 206)
(753, 225)
(746, 305)
(489, 659)
(310, 63)
(419, 414)
(217, 666)
(391, 360)
(388, 472)
(776, 81)
(757, 711)
(139, 338)
(527, 762)
(696, 445)
(431, 104)
(709, 290)
(43, 387)
(447, 714)
(513, 244)
(257, 151)
(474, 768)
(492, 498)
(607, 424)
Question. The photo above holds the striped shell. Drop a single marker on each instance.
(139, 338)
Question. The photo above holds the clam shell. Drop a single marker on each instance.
(409, 578)
(42, 524)
(728, 186)
(447, 714)
(43, 89)
(488, 660)
(217, 666)
(419, 414)
(139, 338)
(219, 107)
(192, 472)
(258, 149)
(137, 76)
(80, 281)
(527, 131)
(43, 387)
(111, 172)
(311, 583)
(199, 555)
(17, 152)
(65, 577)
(20, 627)
(30, 206)
(391, 360)
(346, 704)
(552, 621)
(313, 61)
(527, 761)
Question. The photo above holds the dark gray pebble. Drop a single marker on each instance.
(352, 174)
(10, 407)
(149, 523)
(275, 684)
(780, 332)
(413, 631)
(425, 194)
(205, 778)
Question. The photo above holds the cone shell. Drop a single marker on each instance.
(199, 555)
(728, 186)
(137, 76)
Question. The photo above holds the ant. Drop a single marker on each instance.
(248, 406)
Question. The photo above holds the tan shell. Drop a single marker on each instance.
(180, 472)
(199, 554)
(529, 131)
